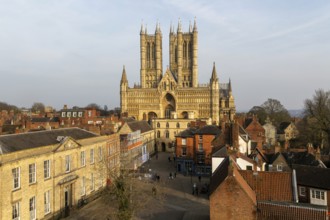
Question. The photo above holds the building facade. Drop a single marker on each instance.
(137, 143)
(176, 93)
(46, 174)
(194, 148)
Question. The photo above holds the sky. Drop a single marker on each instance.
(73, 51)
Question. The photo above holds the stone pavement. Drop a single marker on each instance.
(178, 202)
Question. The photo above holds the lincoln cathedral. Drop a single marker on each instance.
(176, 93)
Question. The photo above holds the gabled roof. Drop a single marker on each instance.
(143, 126)
(222, 152)
(302, 158)
(313, 176)
(17, 142)
(282, 127)
(271, 186)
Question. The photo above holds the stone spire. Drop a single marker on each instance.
(229, 86)
(123, 76)
(157, 28)
(230, 92)
(214, 73)
(142, 28)
(195, 26)
(179, 26)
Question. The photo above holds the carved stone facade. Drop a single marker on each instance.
(176, 93)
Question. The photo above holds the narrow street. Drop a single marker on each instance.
(178, 202)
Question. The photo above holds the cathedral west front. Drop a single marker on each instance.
(176, 93)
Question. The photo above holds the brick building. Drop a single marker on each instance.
(194, 149)
(252, 194)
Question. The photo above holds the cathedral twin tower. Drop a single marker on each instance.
(176, 93)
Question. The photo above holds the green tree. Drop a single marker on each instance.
(317, 112)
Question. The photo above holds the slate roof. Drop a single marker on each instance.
(313, 176)
(222, 152)
(302, 158)
(143, 126)
(189, 132)
(282, 127)
(208, 129)
(17, 142)
(45, 119)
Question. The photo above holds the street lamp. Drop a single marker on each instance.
(190, 174)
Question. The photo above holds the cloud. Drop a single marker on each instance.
(295, 28)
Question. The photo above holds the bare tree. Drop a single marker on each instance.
(94, 105)
(127, 192)
(317, 110)
(38, 107)
(276, 111)
(273, 109)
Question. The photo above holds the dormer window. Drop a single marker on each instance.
(279, 167)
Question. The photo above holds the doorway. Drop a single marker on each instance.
(163, 147)
(67, 200)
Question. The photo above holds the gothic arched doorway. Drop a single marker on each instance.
(152, 115)
(163, 147)
(169, 105)
(184, 115)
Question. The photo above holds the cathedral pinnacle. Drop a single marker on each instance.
(195, 25)
(123, 76)
(214, 73)
(158, 28)
(229, 86)
(142, 29)
(179, 26)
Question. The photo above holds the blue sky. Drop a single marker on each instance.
(72, 51)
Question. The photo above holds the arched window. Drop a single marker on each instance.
(167, 134)
(158, 134)
(176, 54)
(167, 125)
(158, 125)
(184, 49)
(148, 51)
(178, 125)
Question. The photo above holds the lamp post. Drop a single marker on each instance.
(190, 171)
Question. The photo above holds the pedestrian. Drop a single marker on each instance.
(158, 177)
(170, 177)
(154, 191)
(169, 158)
(174, 174)
(194, 188)
(199, 178)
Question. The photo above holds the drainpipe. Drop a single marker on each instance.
(294, 186)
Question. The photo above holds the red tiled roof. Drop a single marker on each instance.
(271, 186)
